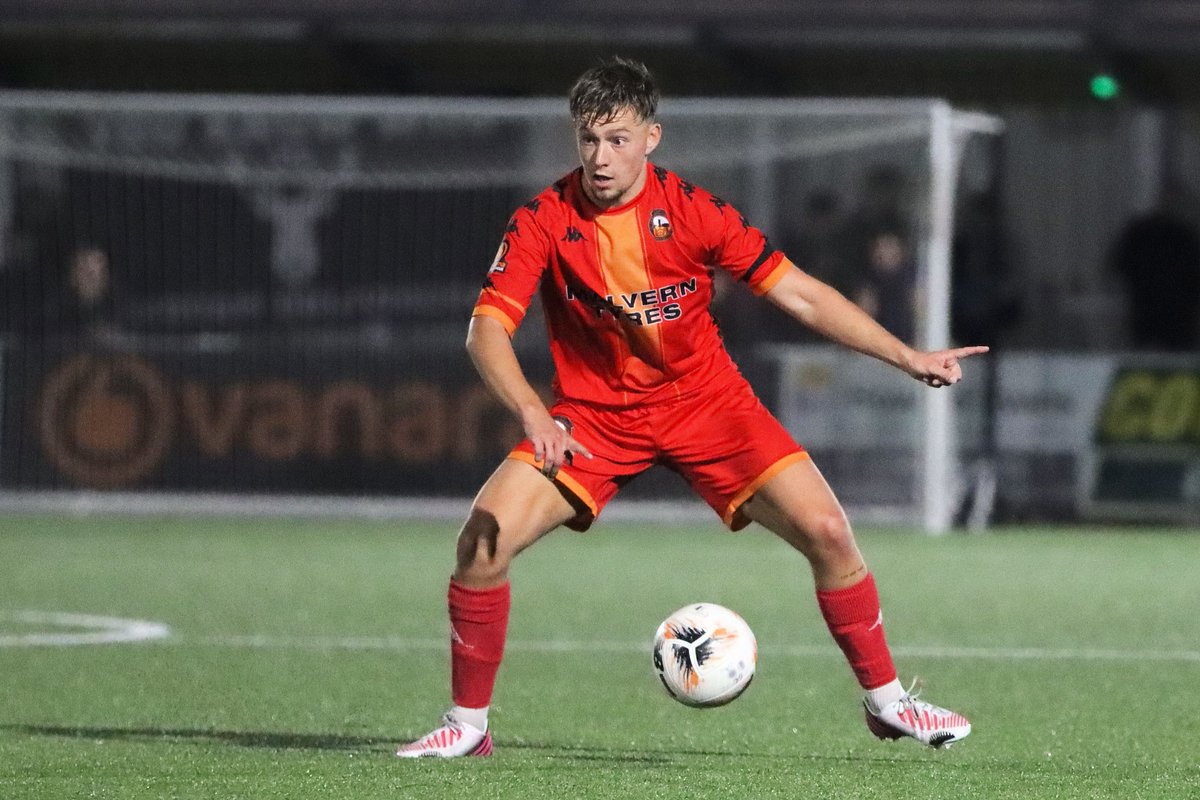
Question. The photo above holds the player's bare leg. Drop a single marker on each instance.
(516, 507)
(799, 507)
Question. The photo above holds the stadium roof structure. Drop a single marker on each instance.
(928, 24)
(968, 51)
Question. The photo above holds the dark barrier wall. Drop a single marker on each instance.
(279, 419)
(255, 419)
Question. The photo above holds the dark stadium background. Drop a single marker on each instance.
(1074, 166)
(971, 53)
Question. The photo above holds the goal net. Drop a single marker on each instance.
(243, 299)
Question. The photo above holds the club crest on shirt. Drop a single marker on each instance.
(660, 226)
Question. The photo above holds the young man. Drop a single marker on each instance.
(622, 250)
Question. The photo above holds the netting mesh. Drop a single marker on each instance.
(296, 272)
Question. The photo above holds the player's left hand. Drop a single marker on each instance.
(940, 368)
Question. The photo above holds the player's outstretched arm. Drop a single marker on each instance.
(825, 310)
(491, 349)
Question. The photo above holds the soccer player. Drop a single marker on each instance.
(623, 250)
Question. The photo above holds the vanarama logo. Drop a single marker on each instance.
(660, 226)
(648, 307)
(118, 421)
(106, 422)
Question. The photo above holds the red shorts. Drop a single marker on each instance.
(725, 444)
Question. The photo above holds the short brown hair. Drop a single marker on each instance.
(616, 83)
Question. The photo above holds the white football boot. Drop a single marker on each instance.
(451, 739)
(925, 722)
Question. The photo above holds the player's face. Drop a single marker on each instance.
(613, 153)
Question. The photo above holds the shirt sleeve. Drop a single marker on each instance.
(742, 249)
(515, 273)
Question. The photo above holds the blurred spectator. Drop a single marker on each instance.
(31, 243)
(882, 203)
(815, 245)
(84, 306)
(888, 288)
(865, 255)
(881, 208)
(1157, 256)
(984, 302)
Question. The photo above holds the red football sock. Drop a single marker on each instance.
(856, 622)
(478, 624)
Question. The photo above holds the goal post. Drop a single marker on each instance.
(941, 465)
(927, 138)
(288, 281)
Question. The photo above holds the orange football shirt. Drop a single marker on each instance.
(627, 290)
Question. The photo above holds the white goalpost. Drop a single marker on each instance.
(881, 128)
(941, 465)
(295, 274)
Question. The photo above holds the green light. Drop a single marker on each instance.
(1105, 86)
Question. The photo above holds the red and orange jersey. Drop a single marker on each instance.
(627, 290)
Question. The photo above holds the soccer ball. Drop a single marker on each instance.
(705, 655)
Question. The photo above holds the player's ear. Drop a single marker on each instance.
(653, 137)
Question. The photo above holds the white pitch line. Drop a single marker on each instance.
(97, 629)
(100, 630)
(400, 644)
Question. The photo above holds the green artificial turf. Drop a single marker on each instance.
(301, 652)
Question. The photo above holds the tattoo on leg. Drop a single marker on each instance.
(862, 569)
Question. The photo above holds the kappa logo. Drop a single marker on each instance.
(660, 226)
(573, 234)
(457, 639)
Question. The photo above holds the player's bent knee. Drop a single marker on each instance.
(480, 558)
(834, 528)
(488, 543)
(828, 533)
